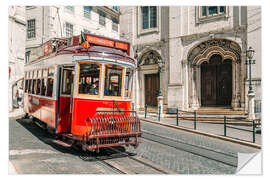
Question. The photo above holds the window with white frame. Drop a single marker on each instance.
(149, 17)
(102, 16)
(211, 11)
(87, 11)
(69, 29)
(115, 24)
(31, 28)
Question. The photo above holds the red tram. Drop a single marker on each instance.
(84, 94)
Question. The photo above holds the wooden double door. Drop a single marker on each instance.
(216, 82)
(151, 89)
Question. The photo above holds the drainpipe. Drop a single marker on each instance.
(42, 25)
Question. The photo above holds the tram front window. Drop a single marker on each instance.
(113, 80)
(89, 79)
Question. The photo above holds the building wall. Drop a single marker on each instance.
(254, 40)
(16, 48)
(186, 31)
(51, 20)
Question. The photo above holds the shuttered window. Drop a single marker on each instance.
(31, 28)
(102, 16)
(69, 29)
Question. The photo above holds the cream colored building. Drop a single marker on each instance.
(16, 49)
(47, 22)
(202, 50)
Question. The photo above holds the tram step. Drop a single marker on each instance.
(62, 143)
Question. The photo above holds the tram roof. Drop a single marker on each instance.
(97, 51)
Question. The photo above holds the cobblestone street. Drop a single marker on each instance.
(33, 152)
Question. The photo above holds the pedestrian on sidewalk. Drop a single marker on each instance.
(19, 95)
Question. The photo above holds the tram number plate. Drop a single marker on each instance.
(35, 101)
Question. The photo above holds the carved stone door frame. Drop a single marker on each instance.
(202, 52)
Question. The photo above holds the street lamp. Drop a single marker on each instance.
(250, 53)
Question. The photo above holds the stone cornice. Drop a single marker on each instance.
(194, 37)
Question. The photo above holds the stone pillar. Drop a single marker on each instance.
(160, 104)
(186, 85)
(243, 76)
(251, 114)
(194, 97)
(235, 82)
(137, 100)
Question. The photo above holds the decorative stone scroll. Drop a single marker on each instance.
(203, 51)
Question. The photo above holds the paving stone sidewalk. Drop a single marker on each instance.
(213, 128)
(18, 112)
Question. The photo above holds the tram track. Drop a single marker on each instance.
(119, 162)
(144, 162)
(221, 157)
(92, 156)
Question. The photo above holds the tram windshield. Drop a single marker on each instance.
(89, 79)
(113, 80)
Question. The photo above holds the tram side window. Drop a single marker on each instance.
(26, 86)
(50, 87)
(34, 86)
(43, 86)
(128, 83)
(30, 86)
(25, 82)
(38, 86)
(89, 79)
(113, 80)
(50, 82)
(44, 82)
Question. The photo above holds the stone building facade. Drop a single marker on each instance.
(16, 49)
(202, 50)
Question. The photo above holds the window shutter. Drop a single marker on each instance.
(153, 17)
(145, 17)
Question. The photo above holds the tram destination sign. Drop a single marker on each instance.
(107, 42)
(100, 41)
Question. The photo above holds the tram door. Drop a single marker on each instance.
(65, 99)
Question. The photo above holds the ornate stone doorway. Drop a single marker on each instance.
(215, 75)
(148, 79)
(216, 82)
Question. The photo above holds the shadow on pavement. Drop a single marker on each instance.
(45, 137)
